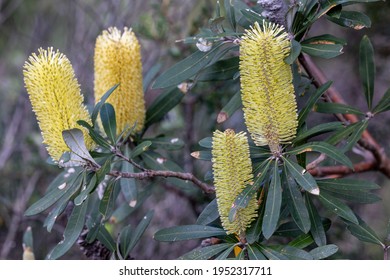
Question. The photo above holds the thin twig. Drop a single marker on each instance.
(162, 173)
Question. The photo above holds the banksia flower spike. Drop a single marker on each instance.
(55, 98)
(268, 98)
(118, 61)
(232, 169)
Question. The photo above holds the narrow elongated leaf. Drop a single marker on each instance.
(230, 108)
(347, 184)
(100, 103)
(254, 252)
(74, 139)
(166, 143)
(205, 253)
(189, 66)
(72, 231)
(353, 196)
(302, 241)
(107, 115)
(106, 239)
(324, 252)
(323, 50)
(295, 202)
(150, 75)
(124, 240)
(189, 232)
(165, 102)
(325, 39)
(140, 148)
(323, 147)
(110, 195)
(225, 254)
(271, 254)
(363, 232)
(383, 104)
(273, 204)
(367, 69)
(95, 135)
(355, 136)
(294, 253)
(206, 142)
(202, 155)
(352, 19)
(342, 134)
(209, 214)
(252, 16)
(88, 186)
(294, 52)
(311, 102)
(338, 207)
(336, 108)
(139, 230)
(128, 185)
(318, 130)
(230, 14)
(302, 177)
(219, 71)
(317, 228)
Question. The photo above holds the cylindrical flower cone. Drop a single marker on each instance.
(117, 60)
(55, 98)
(232, 170)
(268, 97)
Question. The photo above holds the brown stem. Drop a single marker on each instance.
(381, 163)
(162, 173)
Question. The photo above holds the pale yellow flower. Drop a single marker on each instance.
(118, 61)
(55, 98)
(268, 97)
(232, 170)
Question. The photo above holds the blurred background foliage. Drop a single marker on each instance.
(72, 27)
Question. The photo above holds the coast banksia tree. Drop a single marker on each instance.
(118, 61)
(55, 98)
(232, 169)
(268, 98)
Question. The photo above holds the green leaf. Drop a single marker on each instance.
(273, 204)
(166, 143)
(254, 252)
(323, 147)
(294, 253)
(323, 50)
(139, 230)
(347, 184)
(295, 202)
(205, 253)
(230, 108)
(367, 69)
(152, 72)
(302, 177)
(106, 239)
(383, 104)
(188, 67)
(352, 19)
(209, 214)
(206, 142)
(57, 190)
(312, 100)
(128, 185)
(356, 135)
(338, 207)
(353, 195)
(124, 240)
(88, 186)
(363, 232)
(294, 52)
(107, 203)
(351, 132)
(202, 155)
(254, 231)
(252, 16)
(188, 232)
(230, 14)
(164, 102)
(317, 228)
(95, 135)
(318, 130)
(140, 148)
(324, 252)
(107, 115)
(336, 108)
(74, 139)
(325, 39)
(72, 231)
(302, 241)
(243, 199)
(220, 71)
(28, 238)
(100, 103)
(271, 254)
(225, 254)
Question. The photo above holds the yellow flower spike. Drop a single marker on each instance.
(118, 61)
(268, 97)
(55, 98)
(232, 169)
